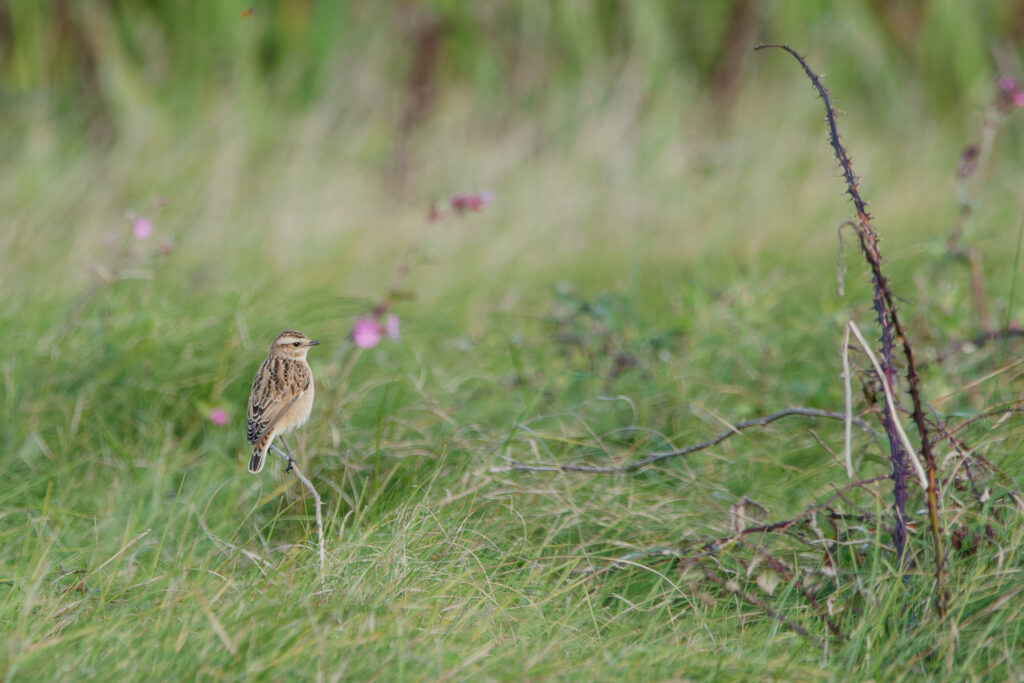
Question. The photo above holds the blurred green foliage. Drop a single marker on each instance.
(88, 61)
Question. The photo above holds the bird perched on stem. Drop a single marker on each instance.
(282, 395)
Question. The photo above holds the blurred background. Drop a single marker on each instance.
(300, 133)
(286, 154)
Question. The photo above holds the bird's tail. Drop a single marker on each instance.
(256, 461)
(259, 454)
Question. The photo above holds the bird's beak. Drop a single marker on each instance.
(313, 343)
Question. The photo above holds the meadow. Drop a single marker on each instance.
(658, 263)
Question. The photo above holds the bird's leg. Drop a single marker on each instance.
(291, 460)
(286, 454)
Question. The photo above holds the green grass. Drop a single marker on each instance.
(134, 545)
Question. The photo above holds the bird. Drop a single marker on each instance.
(282, 394)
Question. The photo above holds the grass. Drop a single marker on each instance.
(134, 545)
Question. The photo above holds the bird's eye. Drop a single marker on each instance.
(295, 343)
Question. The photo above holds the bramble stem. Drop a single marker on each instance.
(891, 332)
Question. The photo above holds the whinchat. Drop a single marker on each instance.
(282, 394)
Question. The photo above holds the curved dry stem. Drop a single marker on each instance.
(294, 467)
(653, 458)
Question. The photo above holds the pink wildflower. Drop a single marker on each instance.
(471, 202)
(219, 417)
(142, 228)
(367, 333)
(1010, 93)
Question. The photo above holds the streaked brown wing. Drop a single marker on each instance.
(262, 403)
(275, 389)
(256, 429)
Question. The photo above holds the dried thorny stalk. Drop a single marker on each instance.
(891, 332)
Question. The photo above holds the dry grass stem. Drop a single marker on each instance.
(891, 403)
(294, 466)
(848, 405)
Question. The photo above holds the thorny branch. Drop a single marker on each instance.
(653, 458)
(891, 330)
(869, 246)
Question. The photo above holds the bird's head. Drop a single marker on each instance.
(292, 344)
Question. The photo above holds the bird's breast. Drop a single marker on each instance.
(302, 408)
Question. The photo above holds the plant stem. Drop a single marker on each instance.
(293, 465)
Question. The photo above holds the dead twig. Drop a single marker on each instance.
(653, 458)
(712, 546)
(293, 466)
(1011, 407)
(975, 343)
(791, 574)
(734, 588)
(699, 552)
(785, 525)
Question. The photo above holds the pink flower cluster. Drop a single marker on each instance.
(368, 332)
(1010, 93)
(219, 417)
(461, 203)
(471, 202)
(142, 228)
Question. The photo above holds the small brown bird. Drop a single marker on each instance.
(282, 394)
